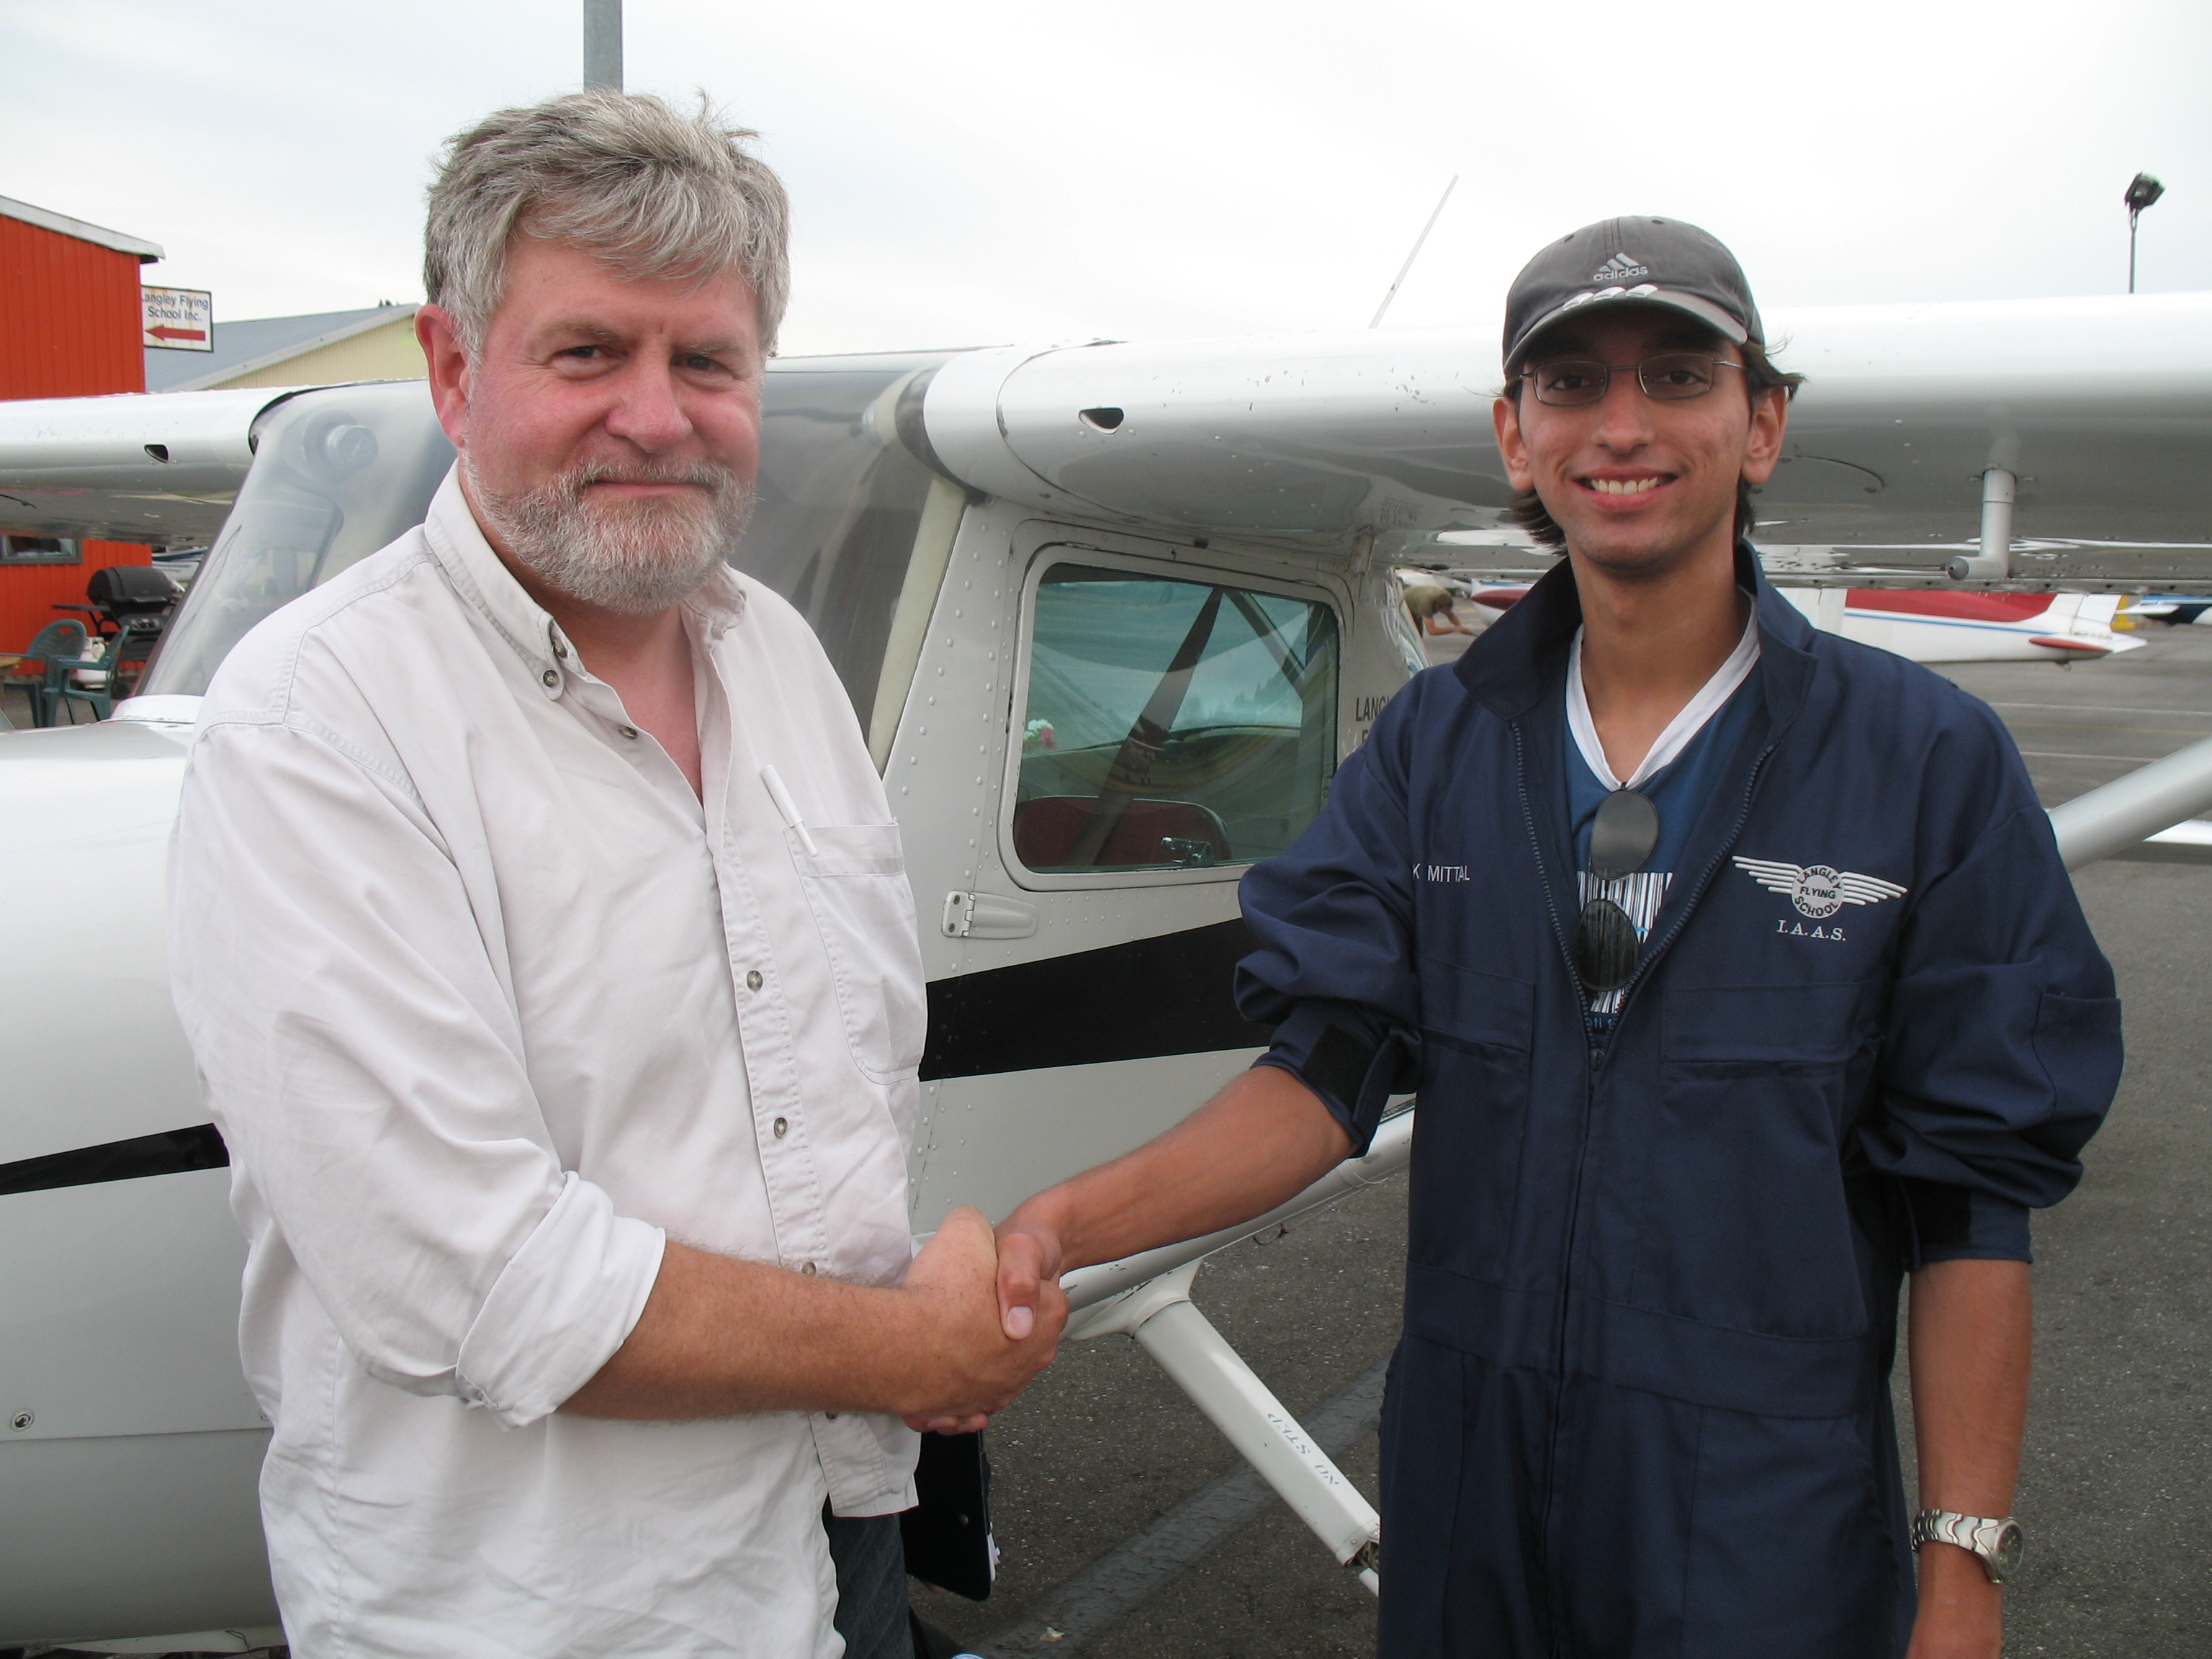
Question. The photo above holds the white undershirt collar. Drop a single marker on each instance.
(1684, 725)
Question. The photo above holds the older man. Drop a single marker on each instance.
(535, 907)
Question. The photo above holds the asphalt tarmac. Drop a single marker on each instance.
(1129, 1531)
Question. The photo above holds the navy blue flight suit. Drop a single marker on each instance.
(1641, 1403)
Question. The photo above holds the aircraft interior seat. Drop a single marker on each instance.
(1148, 833)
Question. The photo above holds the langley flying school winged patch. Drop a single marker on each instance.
(1817, 891)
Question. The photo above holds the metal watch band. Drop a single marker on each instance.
(1995, 1544)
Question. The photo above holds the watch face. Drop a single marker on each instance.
(2010, 1542)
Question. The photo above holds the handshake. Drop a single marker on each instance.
(986, 1318)
(980, 1313)
(993, 1300)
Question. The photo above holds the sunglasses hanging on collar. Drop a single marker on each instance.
(1622, 838)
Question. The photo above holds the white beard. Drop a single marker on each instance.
(635, 558)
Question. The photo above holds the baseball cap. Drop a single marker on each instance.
(1642, 260)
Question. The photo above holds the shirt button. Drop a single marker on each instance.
(783, 1128)
(806, 1268)
(753, 980)
(829, 1417)
(627, 731)
(561, 651)
(551, 677)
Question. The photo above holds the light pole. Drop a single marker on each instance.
(603, 45)
(2143, 191)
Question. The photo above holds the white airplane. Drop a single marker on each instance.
(1002, 551)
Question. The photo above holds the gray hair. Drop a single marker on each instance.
(650, 192)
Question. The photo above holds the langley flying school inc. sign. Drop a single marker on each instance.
(178, 319)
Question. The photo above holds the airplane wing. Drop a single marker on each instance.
(160, 469)
(2101, 408)
(1345, 448)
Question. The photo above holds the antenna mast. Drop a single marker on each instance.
(1416, 253)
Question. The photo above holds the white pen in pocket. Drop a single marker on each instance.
(789, 808)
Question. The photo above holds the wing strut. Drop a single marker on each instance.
(1148, 1297)
(2131, 809)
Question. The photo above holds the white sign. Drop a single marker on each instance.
(178, 319)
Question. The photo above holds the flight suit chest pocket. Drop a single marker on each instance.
(1475, 1056)
(855, 884)
(1467, 1007)
(1744, 1221)
(1784, 1025)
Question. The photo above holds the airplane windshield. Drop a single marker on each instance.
(341, 472)
(335, 475)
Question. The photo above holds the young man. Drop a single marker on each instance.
(535, 905)
(1739, 977)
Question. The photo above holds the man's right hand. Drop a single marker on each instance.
(1030, 1255)
(968, 1364)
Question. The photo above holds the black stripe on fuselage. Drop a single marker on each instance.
(1144, 997)
(1169, 995)
(171, 1152)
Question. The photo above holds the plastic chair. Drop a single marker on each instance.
(130, 649)
(133, 641)
(55, 651)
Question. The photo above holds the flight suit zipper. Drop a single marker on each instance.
(1557, 1643)
(1599, 1054)
(1646, 958)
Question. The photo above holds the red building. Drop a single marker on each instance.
(69, 327)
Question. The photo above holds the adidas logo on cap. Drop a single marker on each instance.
(1619, 266)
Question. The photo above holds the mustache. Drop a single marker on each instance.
(702, 475)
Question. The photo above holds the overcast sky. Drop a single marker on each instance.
(973, 172)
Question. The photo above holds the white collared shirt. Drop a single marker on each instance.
(487, 1003)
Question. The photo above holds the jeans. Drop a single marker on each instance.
(871, 1596)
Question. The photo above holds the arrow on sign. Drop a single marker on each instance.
(163, 331)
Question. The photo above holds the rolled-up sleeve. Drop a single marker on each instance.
(359, 1045)
(2002, 1047)
(1332, 918)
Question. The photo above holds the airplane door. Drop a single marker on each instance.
(1162, 724)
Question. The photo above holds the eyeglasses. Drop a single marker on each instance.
(1672, 377)
(1622, 836)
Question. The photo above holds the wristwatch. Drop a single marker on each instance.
(1997, 1543)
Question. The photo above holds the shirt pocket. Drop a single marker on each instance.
(1745, 1221)
(855, 884)
(1474, 1095)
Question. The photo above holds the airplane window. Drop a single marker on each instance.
(1171, 724)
